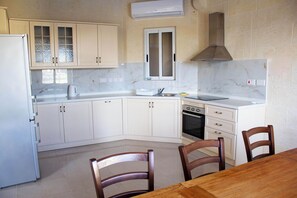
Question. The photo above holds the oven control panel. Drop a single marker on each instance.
(194, 109)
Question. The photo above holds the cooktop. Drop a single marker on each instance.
(206, 97)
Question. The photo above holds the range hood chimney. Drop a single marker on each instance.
(216, 50)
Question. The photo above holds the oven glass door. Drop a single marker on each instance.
(193, 124)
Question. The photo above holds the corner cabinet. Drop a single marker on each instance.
(53, 45)
(157, 118)
(97, 45)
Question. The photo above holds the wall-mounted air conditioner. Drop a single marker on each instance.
(157, 8)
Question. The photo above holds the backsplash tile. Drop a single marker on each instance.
(126, 77)
(230, 78)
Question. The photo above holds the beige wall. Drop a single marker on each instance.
(191, 36)
(268, 29)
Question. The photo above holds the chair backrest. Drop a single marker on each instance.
(189, 166)
(250, 146)
(100, 184)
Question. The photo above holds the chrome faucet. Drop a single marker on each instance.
(160, 91)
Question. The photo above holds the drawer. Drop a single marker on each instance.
(229, 141)
(221, 125)
(221, 113)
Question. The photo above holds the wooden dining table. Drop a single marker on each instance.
(273, 176)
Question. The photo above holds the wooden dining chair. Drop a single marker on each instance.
(100, 184)
(188, 166)
(251, 145)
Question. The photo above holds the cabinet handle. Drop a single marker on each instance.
(152, 104)
(63, 108)
(53, 60)
(149, 104)
(60, 108)
(97, 59)
(216, 132)
(217, 124)
(56, 60)
(218, 112)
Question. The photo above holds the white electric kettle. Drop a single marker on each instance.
(71, 91)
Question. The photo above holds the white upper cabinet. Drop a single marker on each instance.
(97, 45)
(53, 45)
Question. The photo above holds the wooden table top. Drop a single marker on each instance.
(274, 176)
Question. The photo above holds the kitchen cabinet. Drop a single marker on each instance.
(107, 118)
(229, 124)
(97, 45)
(152, 117)
(77, 121)
(50, 122)
(3, 21)
(64, 122)
(19, 27)
(53, 45)
(221, 122)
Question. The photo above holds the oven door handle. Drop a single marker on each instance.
(195, 116)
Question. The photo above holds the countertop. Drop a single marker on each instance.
(229, 103)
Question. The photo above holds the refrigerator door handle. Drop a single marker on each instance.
(37, 133)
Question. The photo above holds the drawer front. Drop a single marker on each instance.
(221, 113)
(222, 125)
(229, 141)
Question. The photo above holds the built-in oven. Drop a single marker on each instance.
(193, 121)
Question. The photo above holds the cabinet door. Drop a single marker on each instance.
(42, 44)
(108, 45)
(65, 44)
(107, 118)
(138, 117)
(229, 141)
(78, 121)
(50, 122)
(87, 45)
(3, 21)
(165, 118)
(19, 27)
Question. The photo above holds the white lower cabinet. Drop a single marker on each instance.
(229, 124)
(229, 141)
(78, 121)
(152, 117)
(50, 121)
(107, 118)
(64, 122)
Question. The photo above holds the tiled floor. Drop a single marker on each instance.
(66, 172)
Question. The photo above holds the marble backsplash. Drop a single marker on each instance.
(230, 78)
(126, 77)
(217, 78)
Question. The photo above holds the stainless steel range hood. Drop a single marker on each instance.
(216, 50)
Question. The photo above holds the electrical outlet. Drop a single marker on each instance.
(261, 82)
(251, 82)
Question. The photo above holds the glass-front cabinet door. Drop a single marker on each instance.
(65, 44)
(42, 44)
(52, 45)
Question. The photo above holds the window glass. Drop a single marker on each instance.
(51, 76)
(160, 53)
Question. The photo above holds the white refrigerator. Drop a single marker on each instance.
(18, 143)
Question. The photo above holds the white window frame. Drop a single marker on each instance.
(147, 55)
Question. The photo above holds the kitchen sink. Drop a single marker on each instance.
(168, 94)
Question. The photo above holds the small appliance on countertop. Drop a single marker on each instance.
(72, 91)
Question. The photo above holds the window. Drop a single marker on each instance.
(160, 53)
(58, 76)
